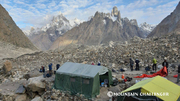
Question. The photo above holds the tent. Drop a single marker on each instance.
(81, 78)
(158, 88)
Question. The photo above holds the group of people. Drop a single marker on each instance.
(99, 64)
(50, 72)
(154, 67)
(132, 64)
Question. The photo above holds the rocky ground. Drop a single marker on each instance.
(24, 69)
(11, 51)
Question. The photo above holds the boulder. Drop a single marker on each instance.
(37, 98)
(21, 90)
(7, 66)
(35, 84)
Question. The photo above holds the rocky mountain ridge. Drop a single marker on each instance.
(101, 29)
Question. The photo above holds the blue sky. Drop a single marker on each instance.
(37, 13)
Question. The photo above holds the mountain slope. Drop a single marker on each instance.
(101, 29)
(10, 32)
(168, 25)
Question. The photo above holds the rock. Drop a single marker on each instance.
(22, 97)
(114, 11)
(21, 90)
(54, 96)
(7, 66)
(37, 98)
(35, 84)
(33, 73)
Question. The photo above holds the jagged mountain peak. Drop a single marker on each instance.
(100, 29)
(146, 28)
(43, 37)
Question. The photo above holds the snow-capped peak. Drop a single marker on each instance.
(146, 28)
(75, 22)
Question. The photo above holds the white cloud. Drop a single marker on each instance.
(151, 11)
(40, 6)
(19, 2)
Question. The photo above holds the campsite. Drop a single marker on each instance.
(89, 50)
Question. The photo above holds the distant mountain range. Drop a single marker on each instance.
(111, 28)
(103, 28)
(169, 25)
(10, 33)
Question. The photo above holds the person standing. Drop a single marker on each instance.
(165, 64)
(154, 64)
(131, 64)
(57, 66)
(50, 68)
(137, 64)
(178, 73)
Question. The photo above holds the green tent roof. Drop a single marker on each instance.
(78, 69)
(158, 84)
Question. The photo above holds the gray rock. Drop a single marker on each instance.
(21, 90)
(37, 98)
(35, 84)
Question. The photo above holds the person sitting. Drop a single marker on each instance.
(147, 68)
(92, 63)
(49, 74)
(99, 64)
(42, 69)
(122, 70)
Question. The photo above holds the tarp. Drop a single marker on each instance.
(78, 69)
(175, 76)
(157, 85)
(162, 72)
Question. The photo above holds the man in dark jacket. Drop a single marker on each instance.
(178, 74)
(165, 64)
(137, 64)
(50, 68)
(57, 66)
(131, 64)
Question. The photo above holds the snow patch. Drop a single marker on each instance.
(75, 22)
(51, 34)
(113, 18)
(104, 21)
